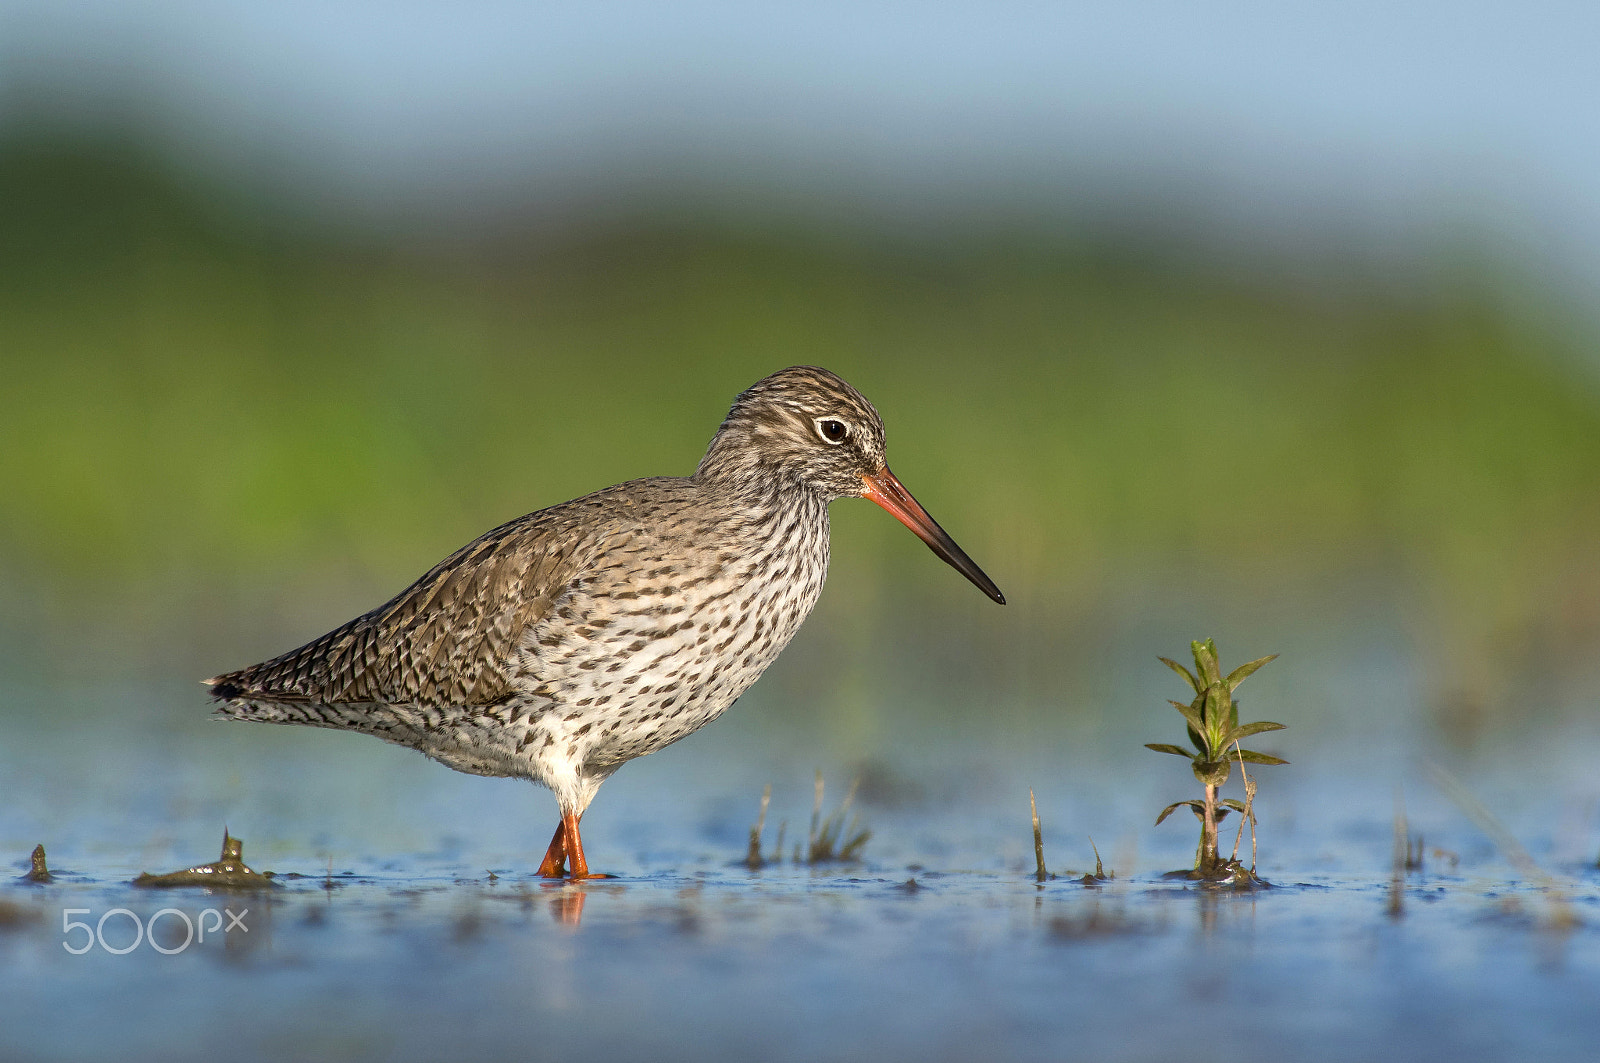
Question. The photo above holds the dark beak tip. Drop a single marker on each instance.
(887, 491)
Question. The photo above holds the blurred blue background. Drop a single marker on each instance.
(1375, 129)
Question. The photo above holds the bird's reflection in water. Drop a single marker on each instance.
(568, 897)
(566, 906)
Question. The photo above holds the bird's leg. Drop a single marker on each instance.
(556, 855)
(566, 846)
(580, 866)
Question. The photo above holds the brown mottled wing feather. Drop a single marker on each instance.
(445, 640)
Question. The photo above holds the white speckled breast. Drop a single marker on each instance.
(662, 635)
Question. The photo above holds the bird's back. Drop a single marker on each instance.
(450, 639)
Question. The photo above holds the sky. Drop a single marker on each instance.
(1397, 122)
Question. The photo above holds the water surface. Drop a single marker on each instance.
(407, 923)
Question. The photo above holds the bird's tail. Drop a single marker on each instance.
(234, 701)
(391, 723)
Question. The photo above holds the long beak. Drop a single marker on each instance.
(883, 488)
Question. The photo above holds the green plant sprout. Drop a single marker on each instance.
(1215, 732)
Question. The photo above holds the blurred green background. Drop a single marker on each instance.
(230, 420)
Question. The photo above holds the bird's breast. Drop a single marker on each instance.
(661, 634)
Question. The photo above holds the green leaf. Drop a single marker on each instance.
(1196, 806)
(1237, 806)
(1252, 757)
(1245, 671)
(1199, 742)
(1218, 707)
(1181, 670)
(1191, 713)
(1252, 729)
(1205, 661)
(1162, 747)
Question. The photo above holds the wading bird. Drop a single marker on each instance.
(565, 643)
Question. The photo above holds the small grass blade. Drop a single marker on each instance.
(753, 859)
(1040, 875)
(1400, 853)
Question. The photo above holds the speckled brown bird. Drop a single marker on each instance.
(565, 643)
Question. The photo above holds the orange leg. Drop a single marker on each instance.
(580, 866)
(556, 855)
(566, 847)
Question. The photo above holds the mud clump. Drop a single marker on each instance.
(228, 871)
(39, 871)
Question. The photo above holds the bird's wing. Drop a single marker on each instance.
(447, 640)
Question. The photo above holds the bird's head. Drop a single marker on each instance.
(805, 428)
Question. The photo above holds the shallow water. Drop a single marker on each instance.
(436, 962)
(406, 922)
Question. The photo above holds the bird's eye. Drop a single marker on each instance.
(832, 431)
